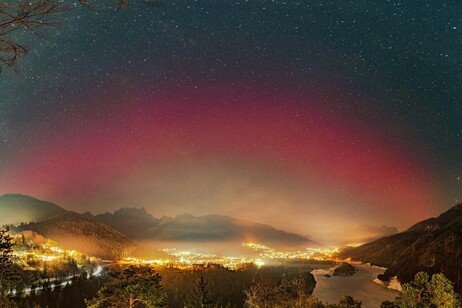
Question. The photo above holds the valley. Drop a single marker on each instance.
(65, 247)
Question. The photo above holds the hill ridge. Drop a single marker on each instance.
(433, 245)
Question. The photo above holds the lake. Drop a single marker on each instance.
(360, 286)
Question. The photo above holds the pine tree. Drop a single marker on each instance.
(130, 286)
(425, 292)
(6, 252)
(8, 276)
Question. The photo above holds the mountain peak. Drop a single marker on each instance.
(129, 221)
(17, 208)
(15, 197)
(132, 212)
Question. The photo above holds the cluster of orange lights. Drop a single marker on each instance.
(264, 255)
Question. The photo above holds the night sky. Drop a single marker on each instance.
(312, 116)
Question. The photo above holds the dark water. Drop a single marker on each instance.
(360, 286)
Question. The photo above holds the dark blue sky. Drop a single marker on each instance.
(391, 69)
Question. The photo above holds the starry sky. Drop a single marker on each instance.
(316, 117)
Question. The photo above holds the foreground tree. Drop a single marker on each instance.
(437, 292)
(262, 293)
(200, 296)
(6, 255)
(290, 294)
(35, 15)
(8, 275)
(129, 287)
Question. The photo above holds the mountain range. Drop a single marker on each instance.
(114, 235)
(433, 245)
(138, 224)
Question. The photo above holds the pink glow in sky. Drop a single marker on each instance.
(106, 160)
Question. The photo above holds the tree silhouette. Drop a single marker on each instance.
(425, 292)
(266, 292)
(34, 15)
(6, 254)
(262, 293)
(8, 275)
(200, 296)
(296, 293)
(130, 286)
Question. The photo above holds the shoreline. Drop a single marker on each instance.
(361, 286)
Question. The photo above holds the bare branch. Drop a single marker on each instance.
(34, 15)
(28, 16)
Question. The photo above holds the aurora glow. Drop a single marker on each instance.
(312, 118)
